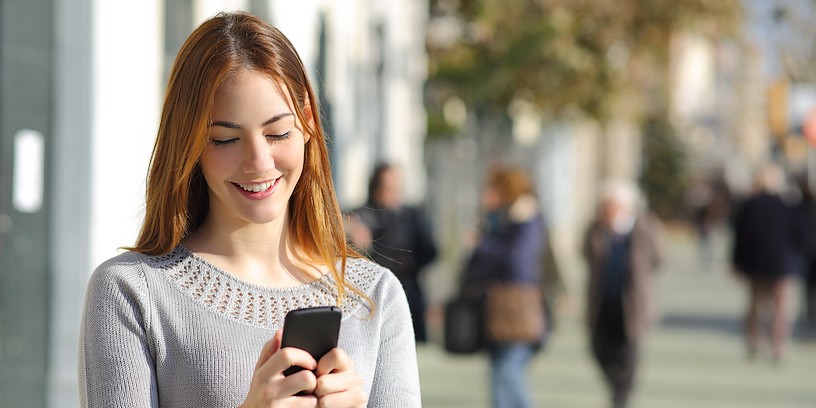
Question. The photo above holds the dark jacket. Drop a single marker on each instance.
(764, 237)
(509, 251)
(401, 240)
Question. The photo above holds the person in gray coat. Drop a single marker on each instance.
(622, 251)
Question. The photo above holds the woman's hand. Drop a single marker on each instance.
(270, 388)
(334, 382)
(338, 383)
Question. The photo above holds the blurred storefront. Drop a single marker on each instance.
(82, 85)
(26, 64)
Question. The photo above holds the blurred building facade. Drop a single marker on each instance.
(718, 105)
(82, 83)
(739, 103)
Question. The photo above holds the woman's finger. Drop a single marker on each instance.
(300, 383)
(269, 383)
(349, 397)
(269, 349)
(336, 360)
(338, 383)
(349, 381)
(284, 358)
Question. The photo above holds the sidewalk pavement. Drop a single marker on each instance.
(694, 357)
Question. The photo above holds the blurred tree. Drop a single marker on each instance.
(664, 176)
(587, 58)
(594, 57)
(561, 54)
(794, 38)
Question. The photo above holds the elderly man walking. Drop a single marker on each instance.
(622, 251)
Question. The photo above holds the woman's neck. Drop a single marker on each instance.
(260, 254)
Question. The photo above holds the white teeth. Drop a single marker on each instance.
(255, 188)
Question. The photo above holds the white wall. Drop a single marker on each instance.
(204, 9)
(693, 76)
(127, 92)
(406, 68)
(70, 176)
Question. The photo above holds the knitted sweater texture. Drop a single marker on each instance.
(177, 331)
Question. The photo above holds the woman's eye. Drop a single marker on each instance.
(222, 142)
(280, 137)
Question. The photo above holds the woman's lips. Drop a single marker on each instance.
(258, 191)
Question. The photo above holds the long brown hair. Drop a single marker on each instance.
(177, 196)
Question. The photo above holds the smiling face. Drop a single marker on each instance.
(256, 151)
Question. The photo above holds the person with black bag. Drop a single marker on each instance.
(504, 272)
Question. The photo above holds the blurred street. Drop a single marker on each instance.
(694, 358)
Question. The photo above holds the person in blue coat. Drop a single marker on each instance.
(509, 251)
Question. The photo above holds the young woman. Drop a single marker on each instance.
(241, 226)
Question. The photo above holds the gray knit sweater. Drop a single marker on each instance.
(176, 331)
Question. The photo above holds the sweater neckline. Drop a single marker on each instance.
(184, 252)
(240, 301)
(255, 305)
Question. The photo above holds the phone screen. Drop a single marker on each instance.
(313, 329)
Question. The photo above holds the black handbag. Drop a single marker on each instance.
(463, 325)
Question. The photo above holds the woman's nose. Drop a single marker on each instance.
(257, 155)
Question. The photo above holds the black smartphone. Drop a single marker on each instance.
(314, 329)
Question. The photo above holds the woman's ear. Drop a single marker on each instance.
(308, 117)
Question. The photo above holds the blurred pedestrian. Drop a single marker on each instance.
(621, 247)
(552, 283)
(804, 221)
(806, 224)
(710, 200)
(765, 253)
(395, 235)
(505, 268)
(241, 226)
(700, 198)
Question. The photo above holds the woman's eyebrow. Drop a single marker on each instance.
(232, 125)
(224, 123)
(277, 118)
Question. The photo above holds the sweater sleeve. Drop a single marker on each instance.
(116, 368)
(396, 381)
